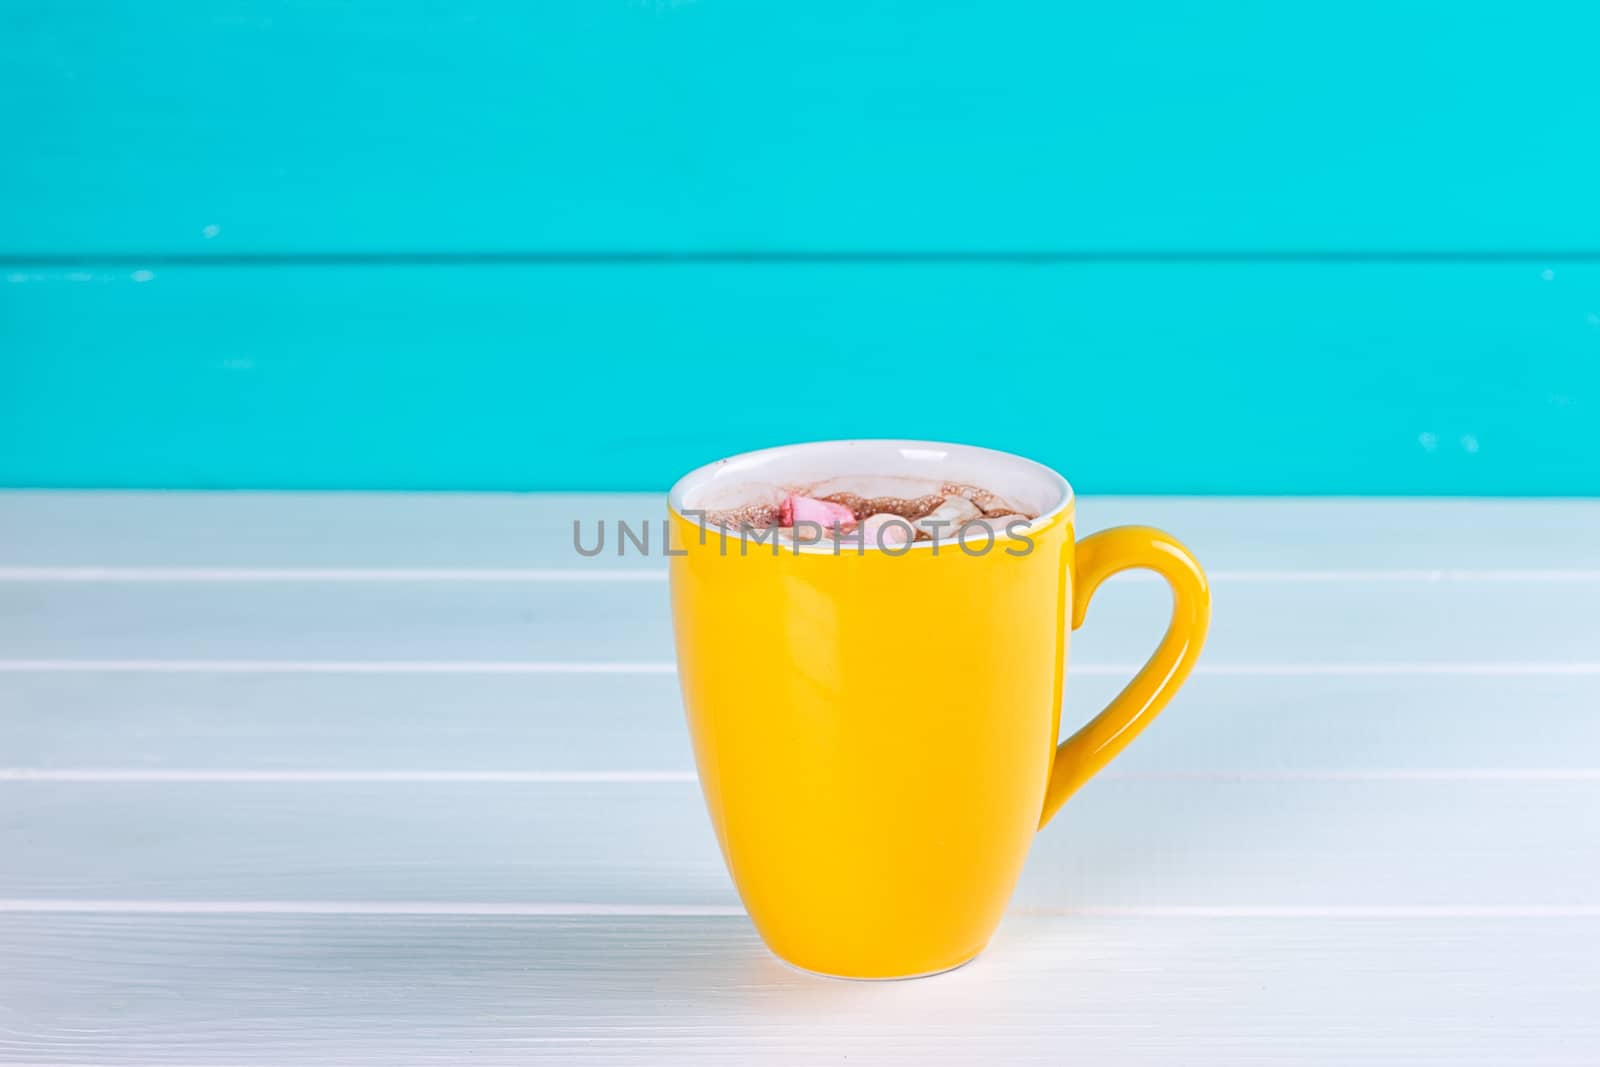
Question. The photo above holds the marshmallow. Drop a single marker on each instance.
(885, 529)
(796, 508)
(985, 500)
(948, 517)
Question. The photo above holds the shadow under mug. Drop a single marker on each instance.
(876, 728)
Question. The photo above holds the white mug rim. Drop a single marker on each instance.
(744, 461)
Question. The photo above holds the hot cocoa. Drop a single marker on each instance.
(825, 513)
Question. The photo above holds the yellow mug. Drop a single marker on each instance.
(876, 728)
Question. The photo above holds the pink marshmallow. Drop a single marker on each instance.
(796, 508)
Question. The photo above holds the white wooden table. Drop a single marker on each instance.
(397, 779)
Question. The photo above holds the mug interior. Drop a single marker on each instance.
(869, 468)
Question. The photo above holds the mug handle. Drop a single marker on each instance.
(1099, 556)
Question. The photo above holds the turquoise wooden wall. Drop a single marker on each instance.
(1248, 247)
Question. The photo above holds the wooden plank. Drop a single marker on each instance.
(1222, 725)
(1122, 842)
(832, 125)
(1369, 864)
(466, 536)
(413, 531)
(1306, 629)
(406, 991)
(1256, 378)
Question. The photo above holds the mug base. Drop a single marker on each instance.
(876, 978)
